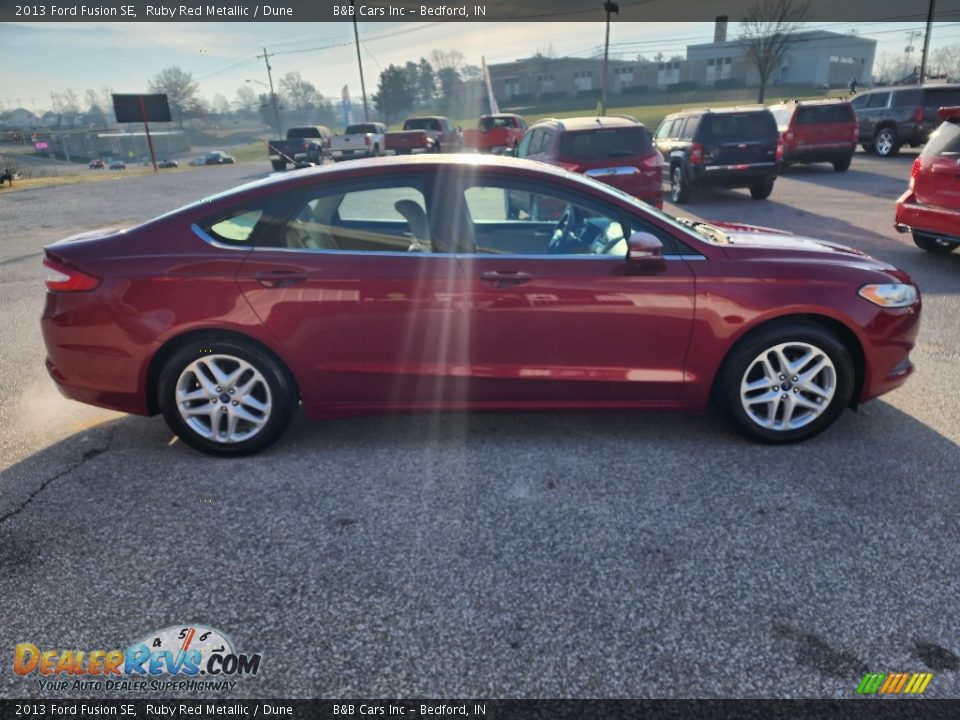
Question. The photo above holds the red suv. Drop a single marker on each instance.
(616, 150)
(817, 131)
(930, 208)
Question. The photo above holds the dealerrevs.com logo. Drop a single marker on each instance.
(178, 658)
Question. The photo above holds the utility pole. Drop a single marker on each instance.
(926, 44)
(273, 96)
(611, 7)
(363, 88)
(908, 50)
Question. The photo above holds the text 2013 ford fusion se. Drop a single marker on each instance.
(404, 285)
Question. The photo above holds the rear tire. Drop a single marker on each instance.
(226, 397)
(761, 190)
(785, 383)
(842, 165)
(933, 244)
(886, 143)
(679, 189)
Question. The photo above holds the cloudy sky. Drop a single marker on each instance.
(43, 58)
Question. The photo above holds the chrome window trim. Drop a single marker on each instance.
(484, 256)
(210, 240)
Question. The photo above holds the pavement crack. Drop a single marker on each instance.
(87, 455)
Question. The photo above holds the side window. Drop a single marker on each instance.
(523, 149)
(362, 218)
(860, 101)
(689, 130)
(663, 131)
(253, 223)
(907, 98)
(878, 100)
(512, 217)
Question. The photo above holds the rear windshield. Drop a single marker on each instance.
(834, 113)
(489, 123)
(605, 142)
(422, 124)
(361, 129)
(946, 139)
(303, 132)
(739, 126)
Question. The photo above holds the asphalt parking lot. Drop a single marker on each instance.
(497, 555)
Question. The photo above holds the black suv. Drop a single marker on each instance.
(730, 147)
(890, 117)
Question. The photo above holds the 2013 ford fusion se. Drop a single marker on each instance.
(402, 285)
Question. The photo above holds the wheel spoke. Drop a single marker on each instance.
(776, 401)
(215, 377)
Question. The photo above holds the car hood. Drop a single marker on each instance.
(762, 243)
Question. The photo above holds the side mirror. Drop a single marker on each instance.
(644, 247)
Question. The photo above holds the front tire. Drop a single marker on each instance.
(886, 143)
(933, 244)
(785, 383)
(226, 398)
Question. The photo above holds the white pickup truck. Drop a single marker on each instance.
(361, 140)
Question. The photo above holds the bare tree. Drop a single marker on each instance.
(767, 32)
(181, 91)
(946, 61)
(447, 60)
(300, 94)
(247, 99)
(887, 68)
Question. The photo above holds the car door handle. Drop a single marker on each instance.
(278, 278)
(505, 278)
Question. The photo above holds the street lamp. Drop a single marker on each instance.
(610, 7)
(273, 101)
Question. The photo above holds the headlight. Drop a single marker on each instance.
(890, 295)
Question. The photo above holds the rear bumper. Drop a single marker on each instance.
(819, 153)
(912, 217)
(733, 176)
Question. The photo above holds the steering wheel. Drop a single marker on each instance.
(565, 239)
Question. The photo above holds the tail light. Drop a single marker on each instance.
(914, 173)
(652, 165)
(788, 136)
(855, 134)
(63, 278)
(696, 153)
(779, 154)
(918, 114)
(366, 140)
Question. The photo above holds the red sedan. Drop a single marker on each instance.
(394, 284)
(930, 208)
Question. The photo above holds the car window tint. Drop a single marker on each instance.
(812, 114)
(941, 97)
(735, 126)
(860, 101)
(689, 129)
(515, 218)
(946, 139)
(906, 98)
(523, 149)
(605, 143)
(389, 218)
(878, 100)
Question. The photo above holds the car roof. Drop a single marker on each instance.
(575, 124)
(718, 110)
(925, 86)
(815, 101)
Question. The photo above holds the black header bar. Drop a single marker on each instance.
(530, 11)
